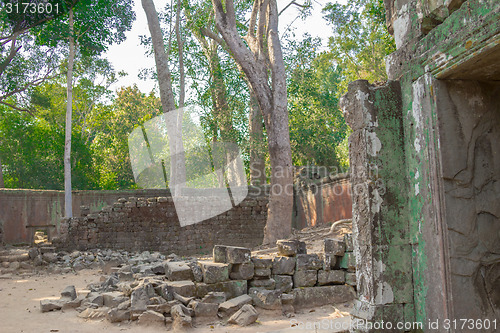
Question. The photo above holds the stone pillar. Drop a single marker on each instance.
(379, 193)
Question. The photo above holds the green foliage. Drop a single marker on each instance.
(32, 153)
(360, 40)
(317, 126)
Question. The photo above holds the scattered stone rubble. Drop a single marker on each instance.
(156, 290)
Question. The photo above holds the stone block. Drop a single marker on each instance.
(319, 296)
(305, 278)
(231, 289)
(284, 283)
(178, 271)
(220, 253)
(334, 247)
(181, 319)
(69, 293)
(348, 261)
(350, 279)
(116, 316)
(262, 272)
(291, 248)
(269, 284)
(183, 288)
(266, 299)
(214, 272)
(262, 262)
(228, 308)
(243, 271)
(47, 305)
(216, 297)
(308, 262)
(113, 298)
(151, 318)
(237, 255)
(245, 316)
(331, 277)
(202, 309)
(283, 265)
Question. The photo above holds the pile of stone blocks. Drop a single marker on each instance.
(174, 291)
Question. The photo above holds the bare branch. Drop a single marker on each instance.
(30, 111)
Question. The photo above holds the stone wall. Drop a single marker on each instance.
(425, 206)
(138, 224)
(321, 201)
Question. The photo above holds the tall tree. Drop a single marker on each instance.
(177, 160)
(91, 26)
(261, 58)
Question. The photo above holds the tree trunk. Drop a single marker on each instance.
(257, 143)
(68, 200)
(263, 56)
(174, 128)
(2, 185)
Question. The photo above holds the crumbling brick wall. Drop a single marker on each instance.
(138, 224)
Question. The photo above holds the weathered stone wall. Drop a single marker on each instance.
(139, 224)
(447, 71)
(321, 201)
(22, 208)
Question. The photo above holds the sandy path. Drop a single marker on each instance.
(20, 311)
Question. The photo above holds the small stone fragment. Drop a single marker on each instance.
(151, 318)
(247, 315)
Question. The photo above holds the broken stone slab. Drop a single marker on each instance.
(197, 272)
(269, 284)
(348, 262)
(139, 298)
(291, 248)
(266, 299)
(305, 278)
(245, 316)
(202, 309)
(216, 297)
(334, 247)
(158, 268)
(308, 262)
(162, 308)
(287, 298)
(178, 271)
(115, 315)
(284, 283)
(244, 271)
(113, 298)
(262, 262)
(182, 299)
(47, 305)
(183, 288)
(69, 293)
(124, 305)
(231, 289)
(73, 304)
(283, 265)
(350, 279)
(214, 272)
(228, 308)
(151, 318)
(95, 298)
(181, 320)
(319, 296)
(331, 277)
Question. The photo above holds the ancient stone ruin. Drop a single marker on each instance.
(425, 161)
(171, 291)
